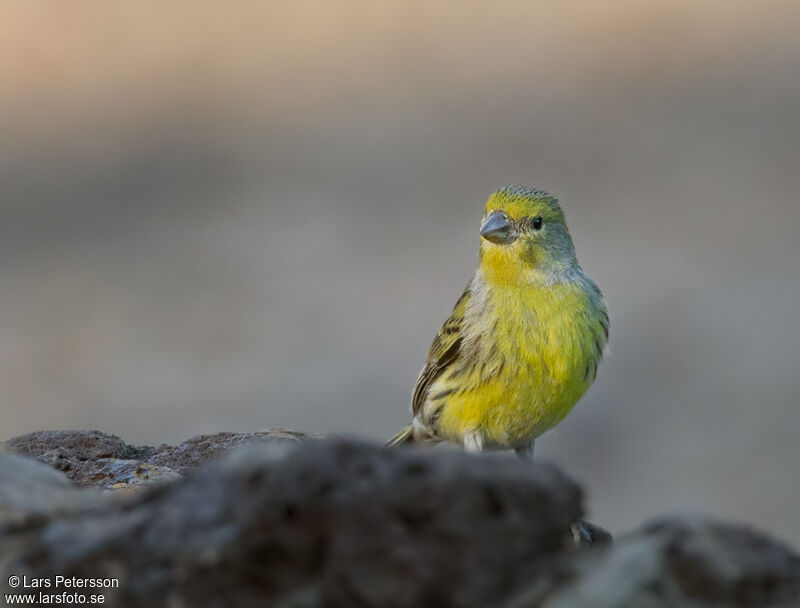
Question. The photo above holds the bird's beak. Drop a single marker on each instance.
(497, 229)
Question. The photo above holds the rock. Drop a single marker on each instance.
(306, 524)
(97, 459)
(689, 561)
(76, 453)
(61, 448)
(202, 448)
(31, 491)
(112, 473)
(334, 523)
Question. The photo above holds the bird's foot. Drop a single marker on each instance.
(585, 534)
(525, 452)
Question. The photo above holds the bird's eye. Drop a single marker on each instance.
(537, 222)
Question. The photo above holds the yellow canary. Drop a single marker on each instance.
(524, 340)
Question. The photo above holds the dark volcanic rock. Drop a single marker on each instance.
(340, 523)
(31, 491)
(87, 458)
(202, 448)
(115, 474)
(97, 459)
(732, 565)
(688, 561)
(67, 450)
(329, 523)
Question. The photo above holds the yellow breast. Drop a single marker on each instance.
(534, 353)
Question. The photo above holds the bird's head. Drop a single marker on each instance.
(524, 238)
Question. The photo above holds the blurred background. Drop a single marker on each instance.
(216, 219)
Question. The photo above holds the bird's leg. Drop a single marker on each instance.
(525, 452)
(473, 442)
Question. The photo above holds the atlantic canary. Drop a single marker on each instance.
(524, 340)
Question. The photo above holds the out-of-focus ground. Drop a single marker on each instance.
(216, 219)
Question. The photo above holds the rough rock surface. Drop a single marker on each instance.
(343, 523)
(29, 491)
(687, 561)
(97, 459)
(331, 523)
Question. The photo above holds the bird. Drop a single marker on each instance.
(524, 340)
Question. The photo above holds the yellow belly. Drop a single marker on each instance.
(509, 414)
(540, 355)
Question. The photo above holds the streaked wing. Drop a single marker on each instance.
(444, 350)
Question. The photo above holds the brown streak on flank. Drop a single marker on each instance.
(432, 418)
(466, 293)
(432, 371)
(471, 354)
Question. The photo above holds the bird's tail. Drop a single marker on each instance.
(403, 437)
